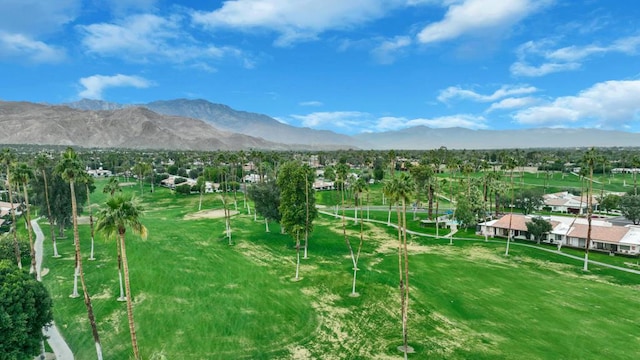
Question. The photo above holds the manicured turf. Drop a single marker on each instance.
(196, 297)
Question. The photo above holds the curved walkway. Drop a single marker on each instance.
(55, 339)
(620, 268)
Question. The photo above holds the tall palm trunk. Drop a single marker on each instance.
(132, 326)
(401, 276)
(14, 229)
(405, 313)
(589, 215)
(50, 217)
(87, 298)
(33, 269)
(355, 261)
(437, 208)
(91, 257)
(297, 254)
(306, 224)
(122, 297)
(506, 253)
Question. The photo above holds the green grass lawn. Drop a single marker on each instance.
(196, 297)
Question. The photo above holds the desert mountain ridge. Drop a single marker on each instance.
(185, 124)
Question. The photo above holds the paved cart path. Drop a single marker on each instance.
(55, 339)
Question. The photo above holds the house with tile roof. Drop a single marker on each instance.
(569, 231)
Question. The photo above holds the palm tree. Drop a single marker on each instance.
(398, 190)
(405, 189)
(123, 211)
(21, 175)
(42, 161)
(358, 187)
(635, 164)
(589, 159)
(87, 180)
(8, 158)
(111, 188)
(70, 169)
(510, 164)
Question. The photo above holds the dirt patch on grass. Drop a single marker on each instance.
(457, 335)
(208, 214)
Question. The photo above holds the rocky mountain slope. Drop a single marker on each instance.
(225, 118)
(131, 127)
(105, 124)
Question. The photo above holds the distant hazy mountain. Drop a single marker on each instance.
(107, 124)
(131, 127)
(225, 118)
(422, 137)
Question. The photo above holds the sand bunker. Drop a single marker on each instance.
(208, 214)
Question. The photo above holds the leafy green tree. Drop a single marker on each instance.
(464, 213)
(538, 227)
(529, 200)
(7, 248)
(71, 169)
(421, 175)
(329, 173)
(25, 307)
(609, 202)
(7, 157)
(630, 208)
(21, 174)
(123, 211)
(297, 213)
(266, 199)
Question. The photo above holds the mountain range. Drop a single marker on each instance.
(201, 125)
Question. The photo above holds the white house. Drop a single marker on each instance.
(570, 231)
(170, 182)
(100, 172)
(566, 202)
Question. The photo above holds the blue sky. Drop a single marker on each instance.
(346, 65)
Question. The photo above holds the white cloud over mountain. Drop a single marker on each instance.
(454, 92)
(94, 86)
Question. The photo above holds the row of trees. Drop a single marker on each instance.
(118, 213)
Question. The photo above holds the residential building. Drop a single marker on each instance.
(565, 202)
(570, 231)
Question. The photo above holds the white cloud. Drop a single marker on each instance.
(37, 17)
(627, 45)
(311, 103)
(565, 58)
(94, 85)
(346, 120)
(462, 120)
(470, 16)
(504, 91)
(150, 38)
(524, 69)
(386, 52)
(294, 21)
(23, 47)
(607, 104)
(513, 103)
